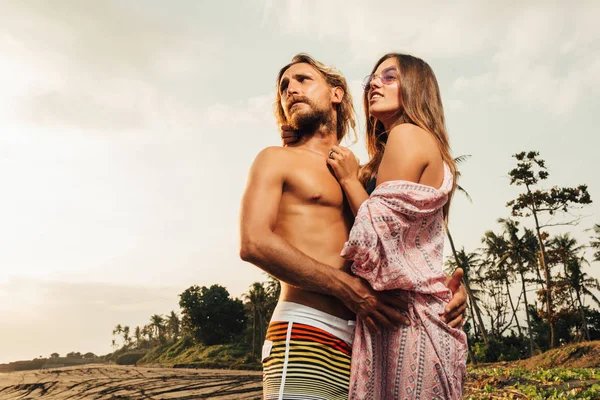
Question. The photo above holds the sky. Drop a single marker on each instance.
(127, 129)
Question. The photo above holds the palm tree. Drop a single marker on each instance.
(118, 330)
(148, 330)
(595, 243)
(156, 322)
(502, 271)
(467, 261)
(273, 289)
(515, 255)
(255, 300)
(495, 306)
(126, 338)
(138, 336)
(562, 248)
(581, 284)
(457, 261)
(524, 252)
(173, 325)
(273, 286)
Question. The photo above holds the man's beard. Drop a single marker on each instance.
(307, 122)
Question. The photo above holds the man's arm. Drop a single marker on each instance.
(264, 248)
(261, 246)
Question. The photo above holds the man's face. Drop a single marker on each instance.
(306, 98)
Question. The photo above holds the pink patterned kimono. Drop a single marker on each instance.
(397, 242)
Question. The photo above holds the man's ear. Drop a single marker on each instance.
(337, 95)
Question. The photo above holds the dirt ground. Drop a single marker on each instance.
(95, 382)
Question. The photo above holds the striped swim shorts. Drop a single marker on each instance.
(306, 355)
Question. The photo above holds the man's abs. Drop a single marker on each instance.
(319, 232)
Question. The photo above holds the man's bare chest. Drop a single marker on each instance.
(315, 184)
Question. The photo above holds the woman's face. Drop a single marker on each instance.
(383, 90)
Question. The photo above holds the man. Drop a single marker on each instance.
(294, 223)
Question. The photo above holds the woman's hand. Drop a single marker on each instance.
(345, 166)
(344, 163)
(288, 135)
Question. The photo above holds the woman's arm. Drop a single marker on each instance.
(345, 166)
(407, 153)
(355, 194)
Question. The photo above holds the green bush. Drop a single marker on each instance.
(509, 348)
(130, 358)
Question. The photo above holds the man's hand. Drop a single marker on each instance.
(454, 313)
(375, 308)
(288, 135)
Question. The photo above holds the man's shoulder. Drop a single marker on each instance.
(271, 159)
(271, 154)
(280, 153)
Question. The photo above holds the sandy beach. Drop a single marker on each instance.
(97, 382)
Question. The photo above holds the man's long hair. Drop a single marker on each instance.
(421, 105)
(345, 110)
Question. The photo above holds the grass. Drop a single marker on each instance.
(569, 372)
(186, 354)
(515, 382)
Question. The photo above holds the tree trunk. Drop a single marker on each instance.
(512, 306)
(568, 279)
(254, 332)
(261, 329)
(475, 327)
(471, 354)
(466, 282)
(586, 332)
(548, 278)
(531, 345)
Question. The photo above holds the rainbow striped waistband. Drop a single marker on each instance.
(301, 361)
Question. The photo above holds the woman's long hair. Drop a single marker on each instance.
(421, 105)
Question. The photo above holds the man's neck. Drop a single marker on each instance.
(320, 141)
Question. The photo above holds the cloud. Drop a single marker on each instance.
(118, 105)
(255, 110)
(268, 5)
(530, 58)
(454, 105)
(473, 83)
(99, 66)
(106, 38)
(525, 46)
(449, 31)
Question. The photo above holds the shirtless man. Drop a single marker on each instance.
(294, 223)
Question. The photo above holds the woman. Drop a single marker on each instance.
(397, 238)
